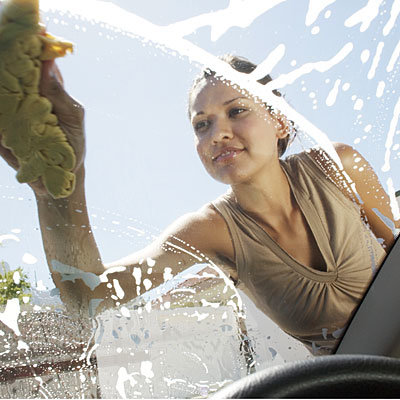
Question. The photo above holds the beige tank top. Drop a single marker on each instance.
(311, 305)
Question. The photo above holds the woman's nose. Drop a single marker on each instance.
(222, 131)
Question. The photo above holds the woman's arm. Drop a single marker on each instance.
(71, 250)
(374, 199)
(194, 238)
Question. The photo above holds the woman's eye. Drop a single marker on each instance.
(236, 111)
(201, 125)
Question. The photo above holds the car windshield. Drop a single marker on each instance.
(335, 66)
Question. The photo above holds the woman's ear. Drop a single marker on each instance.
(283, 125)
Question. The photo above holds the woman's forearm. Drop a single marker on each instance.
(66, 231)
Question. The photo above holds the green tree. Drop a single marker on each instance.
(13, 284)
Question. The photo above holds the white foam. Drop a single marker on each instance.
(8, 237)
(148, 307)
(358, 105)
(118, 289)
(394, 13)
(17, 277)
(315, 7)
(367, 128)
(183, 290)
(125, 312)
(30, 259)
(146, 369)
(380, 88)
(375, 61)
(103, 277)
(200, 316)
(114, 16)
(123, 377)
(137, 274)
(394, 205)
(167, 275)
(393, 58)
(390, 135)
(364, 16)
(150, 262)
(140, 231)
(364, 56)
(147, 284)
(184, 250)
(239, 13)
(22, 345)
(320, 66)
(40, 286)
(170, 382)
(206, 303)
(346, 86)
(10, 315)
(315, 30)
(266, 67)
(331, 99)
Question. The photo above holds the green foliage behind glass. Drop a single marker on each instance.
(11, 290)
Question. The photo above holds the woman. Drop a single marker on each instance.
(288, 231)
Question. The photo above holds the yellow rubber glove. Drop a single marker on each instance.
(28, 127)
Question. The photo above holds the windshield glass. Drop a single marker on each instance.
(336, 67)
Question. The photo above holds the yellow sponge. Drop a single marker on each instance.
(27, 125)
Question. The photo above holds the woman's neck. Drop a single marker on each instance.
(269, 195)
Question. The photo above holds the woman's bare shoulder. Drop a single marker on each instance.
(344, 151)
(204, 229)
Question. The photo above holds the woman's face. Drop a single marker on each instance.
(236, 137)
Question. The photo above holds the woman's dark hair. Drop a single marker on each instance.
(245, 66)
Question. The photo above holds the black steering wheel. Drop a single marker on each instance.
(336, 376)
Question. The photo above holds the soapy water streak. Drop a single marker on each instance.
(238, 13)
(375, 61)
(394, 13)
(390, 136)
(70, 273)
(171, 37)
(315, 7)
(266, 67)
(394, 204)
(364, 16)
(121, 19)
(394, 57)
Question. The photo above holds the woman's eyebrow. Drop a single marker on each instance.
(225, 103)
(230, 101)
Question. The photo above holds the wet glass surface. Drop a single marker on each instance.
(337, 64)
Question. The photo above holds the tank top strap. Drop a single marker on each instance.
(324, 169)
(234, 220)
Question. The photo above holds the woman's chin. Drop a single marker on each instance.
(230, 178)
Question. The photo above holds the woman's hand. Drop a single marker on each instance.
(70, 112)
(70, 116)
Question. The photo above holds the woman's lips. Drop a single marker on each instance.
(227, 155)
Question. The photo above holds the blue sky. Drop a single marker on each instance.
(142, 169)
